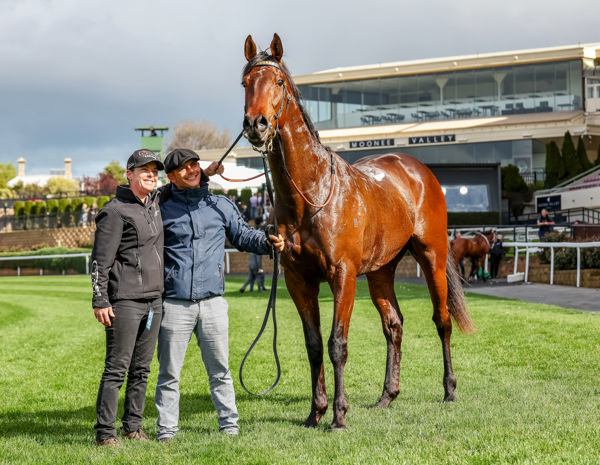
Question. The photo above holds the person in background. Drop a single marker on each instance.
(260, 280)
(496, 253)
(196, 224)
(254, 264)
(545, 223)
(127, 284)
(253, 205)
(83, 219)
(93, 212)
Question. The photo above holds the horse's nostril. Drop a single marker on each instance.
(247, 124)
(262, 124)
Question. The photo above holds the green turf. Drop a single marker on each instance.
(528, 385)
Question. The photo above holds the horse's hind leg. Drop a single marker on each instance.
(305, 296)
(381, 287)
(432, 259)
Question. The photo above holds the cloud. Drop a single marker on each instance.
(79, 76)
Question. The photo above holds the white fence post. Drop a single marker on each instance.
(552, 246)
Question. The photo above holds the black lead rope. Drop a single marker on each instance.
(232, 146)
(272, 300)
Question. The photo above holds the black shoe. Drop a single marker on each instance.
(242, 291)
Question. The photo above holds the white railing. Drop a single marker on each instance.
(516, 233)
(535, 246)
(518, 246)
(87, 256)
(35, 257)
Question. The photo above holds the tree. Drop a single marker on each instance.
(555, 168)
(7, 172)
(59, 184)
(107, 184)
(597, 162)
(117, 172)
(198, 135)
(585, 162)
(90, 184)
(569, 155)
(515, 189)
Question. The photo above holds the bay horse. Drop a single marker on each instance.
(340, 221)
(476, 248)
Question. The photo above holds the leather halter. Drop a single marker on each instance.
(285, 101)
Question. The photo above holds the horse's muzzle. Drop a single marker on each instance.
(257, 129)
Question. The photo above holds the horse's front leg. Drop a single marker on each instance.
(305, 296)
(343, 286)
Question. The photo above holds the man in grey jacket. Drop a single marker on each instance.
(196, 224)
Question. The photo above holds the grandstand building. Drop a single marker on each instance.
(463, 116)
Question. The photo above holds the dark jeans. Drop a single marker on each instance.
(129, 350)
(252, 275)
(494, 265)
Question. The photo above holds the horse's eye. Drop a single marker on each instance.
(280, 82)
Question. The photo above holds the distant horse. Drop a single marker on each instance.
(342, 220)
(476, 248)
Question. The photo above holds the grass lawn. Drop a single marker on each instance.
(528, 385)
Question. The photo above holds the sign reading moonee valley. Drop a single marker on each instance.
(432, 139)
(361, 144)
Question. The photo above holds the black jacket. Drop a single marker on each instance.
(127, 259)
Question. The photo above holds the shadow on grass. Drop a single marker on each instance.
(72, 426)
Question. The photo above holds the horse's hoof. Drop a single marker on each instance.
(450, 397)
(311, 423)
(335, 428)
(383, 403)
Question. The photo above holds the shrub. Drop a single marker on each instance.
(245, 195)
(566, 258)
(590, 258)
(102, 201)
(90, 201)
(53, 206)
(19, 208)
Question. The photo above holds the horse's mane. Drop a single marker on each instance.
(264, 56)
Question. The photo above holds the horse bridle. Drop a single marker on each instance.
(285, 101)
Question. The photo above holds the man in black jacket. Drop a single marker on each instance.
(128, 282)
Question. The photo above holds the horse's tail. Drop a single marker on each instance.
(457, 304)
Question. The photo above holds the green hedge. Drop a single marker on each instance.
(245, 195)
(50, 264)
(53, 213)
(102, 201)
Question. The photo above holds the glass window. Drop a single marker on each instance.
(506, 90)
(467, 198)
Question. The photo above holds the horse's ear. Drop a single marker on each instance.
(249, 48)
(276, 47)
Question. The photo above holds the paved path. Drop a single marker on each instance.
(578, 298)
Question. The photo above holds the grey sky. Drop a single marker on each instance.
(77, 76)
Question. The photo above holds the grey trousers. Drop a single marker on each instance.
(129, 351)
(209, 321)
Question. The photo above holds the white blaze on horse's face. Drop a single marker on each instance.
(264, 88)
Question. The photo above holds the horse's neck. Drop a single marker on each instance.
(299, 158)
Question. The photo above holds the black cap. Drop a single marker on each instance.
(176, 158)
(143, 157)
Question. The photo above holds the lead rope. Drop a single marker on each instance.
(272, 297)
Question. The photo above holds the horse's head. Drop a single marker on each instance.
(268, 91)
